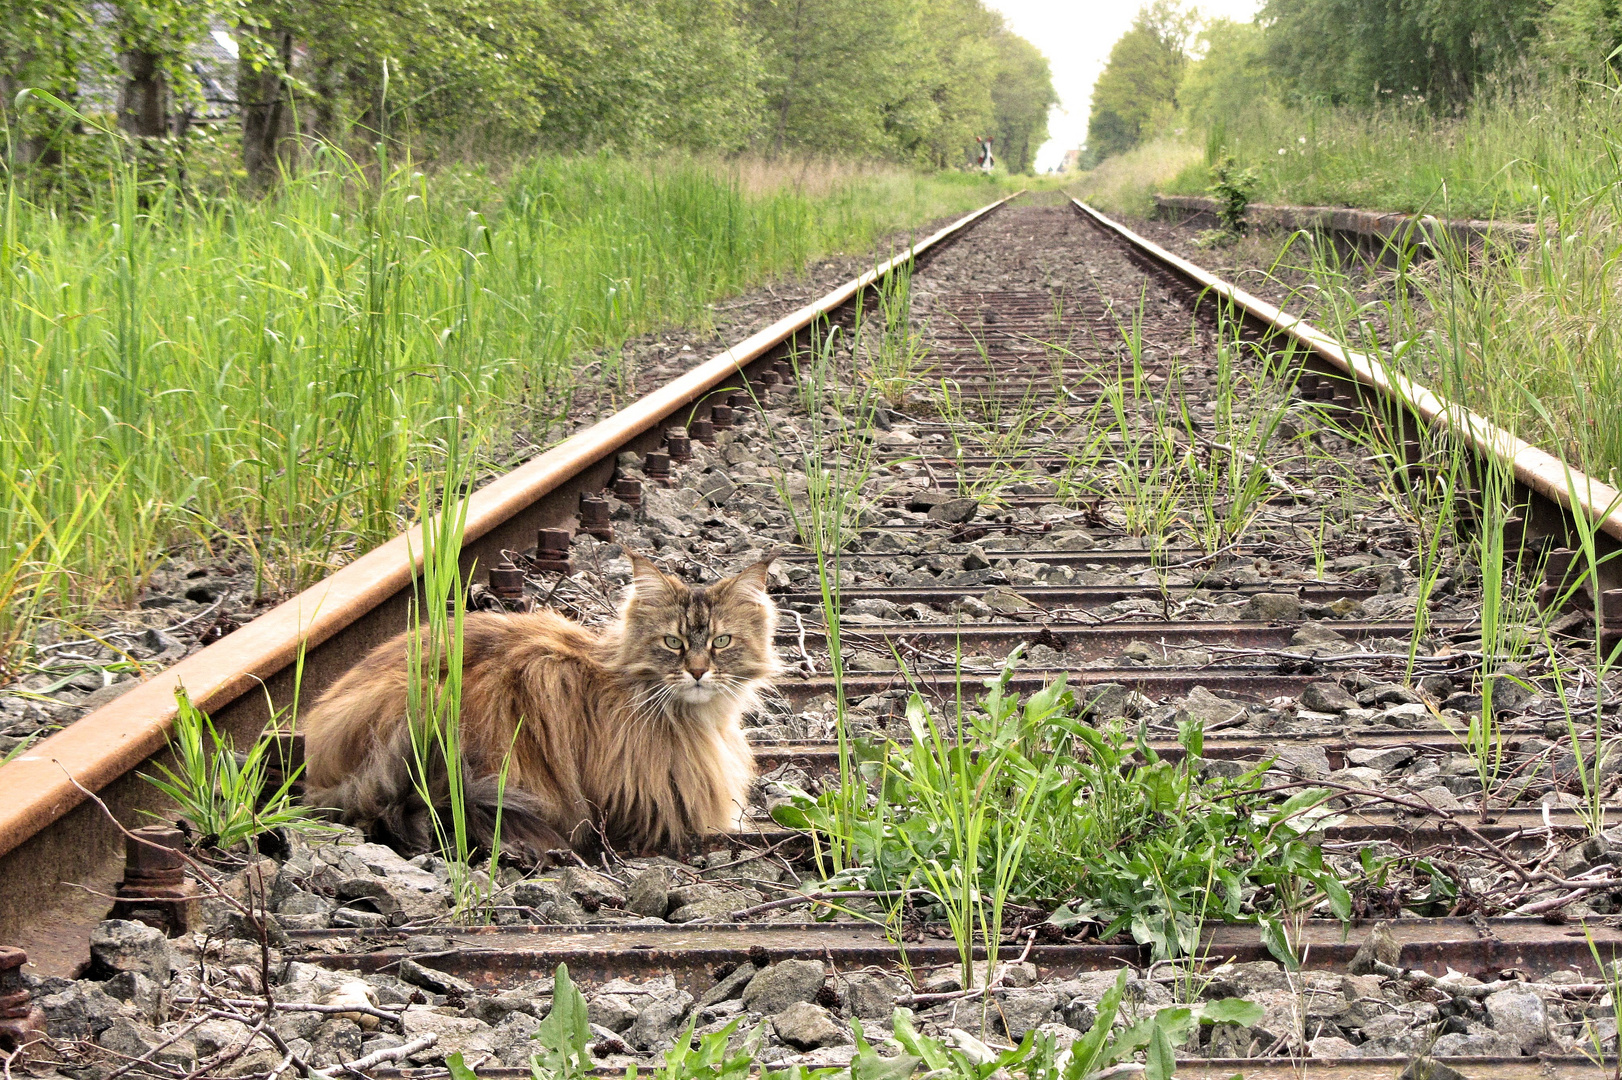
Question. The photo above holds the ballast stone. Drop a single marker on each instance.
(781, 985)
(121, 945)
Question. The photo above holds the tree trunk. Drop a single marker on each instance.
(262, 96)
(143, 99)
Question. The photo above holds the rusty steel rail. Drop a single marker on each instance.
(333, 623)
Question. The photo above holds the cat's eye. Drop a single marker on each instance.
(721, 641)
(674, 643)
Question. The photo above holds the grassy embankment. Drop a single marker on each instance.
(1530, 336)
(274, 374)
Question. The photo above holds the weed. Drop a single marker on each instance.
(1028, 801)
(562, 1038)
(1233, 188)
(221, 793)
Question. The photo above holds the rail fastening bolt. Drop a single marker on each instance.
(552, 550)
(703, 431)
(156, 890)
(594, 519)
(785, 371)
(657, 466)
(679, 445)
(507, 585)
(628, 490)
(21, 1021)
(1610, 608)
(721, 416)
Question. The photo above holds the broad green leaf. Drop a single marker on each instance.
(1161, 1062)
(1232, 1011)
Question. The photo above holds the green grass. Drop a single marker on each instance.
(1531, 335)
(264, 375)
(1497, 160)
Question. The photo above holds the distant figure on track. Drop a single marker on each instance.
(985, 161)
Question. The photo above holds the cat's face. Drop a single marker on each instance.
(699, 646)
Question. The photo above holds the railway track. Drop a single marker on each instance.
(1028, 438)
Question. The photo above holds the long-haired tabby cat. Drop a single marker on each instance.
(627, 735)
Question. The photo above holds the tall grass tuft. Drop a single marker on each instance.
(259, 375)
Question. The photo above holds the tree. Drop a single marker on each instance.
(1021, 97)
(1230, 76)
(1143, 71)
(1361, 51)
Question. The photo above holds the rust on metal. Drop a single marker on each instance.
(156, 889)
(21, 1021)
(502, 956)
(552, 551)
(656, 466)
(628, 490)
(595, 519)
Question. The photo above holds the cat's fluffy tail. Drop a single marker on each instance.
(382, 799)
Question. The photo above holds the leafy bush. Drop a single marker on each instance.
(1233, 188)
(1030, 801)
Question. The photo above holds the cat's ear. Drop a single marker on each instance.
(648, 579)
(750, 579)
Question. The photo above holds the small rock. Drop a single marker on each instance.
(1327, 697)
(440, 982)
(1475, 1044)
(1330, 1046)
(719, 907)
(513, 1038)
(807, 1026)
(121, 945)
(1018, 1013)
(650, 893)
(1106, 701)
(658, 1023)
(922, 501)
(1379, 945)
(455, 1032)
(535, 894)
(128, 1038)
(1316, 633)
(1271, 607)
(781, 985)
(730, 987)
(1440, 798)
(135, 989)
(716, 488)
(1308, 761)
(590, 889)
(954, 511)
(1391, 757)
(1205, 706)
(1521, 1015)
(612, 1012)
(870, 995)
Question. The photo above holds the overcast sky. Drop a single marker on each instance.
(1076, 36)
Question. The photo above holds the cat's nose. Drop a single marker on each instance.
(698, 673)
